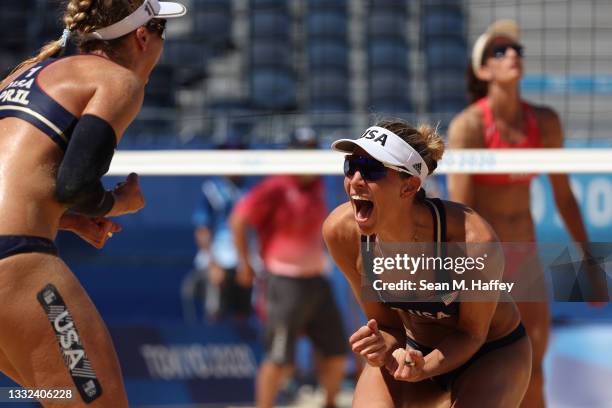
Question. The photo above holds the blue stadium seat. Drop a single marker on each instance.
(188, 52)
(204, 5)
(447, 90)
(389, 5)
(390, 92)
(161, 86)
(327, 4)
(387, 24)
(444, 84)
(442, 6)
(14, 21)
(214, 26)
(141, 133)
(388, 53)
(328, 54)
(445, 53)
(273, 89)
(267, 4)
(49, 27)
(270, 23)
(327, 105)
(328, 23)
(443, 24)
(391, 106)
(447, 105)
(329, 84)
(270, 53)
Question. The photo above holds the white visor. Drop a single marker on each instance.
(149, 9)
(388, 148)
(500, 28)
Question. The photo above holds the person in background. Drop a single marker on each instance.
(498, 118)
(287, 213)
(216, 261)
(62, 119)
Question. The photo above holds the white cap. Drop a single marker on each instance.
(148, 10)
(500, 28)
(388, 148)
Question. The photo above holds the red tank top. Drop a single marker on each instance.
(493, 140)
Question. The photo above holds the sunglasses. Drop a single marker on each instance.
(499, 51)
(369, 168)
(157, 25)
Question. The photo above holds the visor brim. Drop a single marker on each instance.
(169, 9)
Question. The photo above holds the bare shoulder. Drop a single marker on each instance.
(106, 74)
(465, 130)
(466, 225)
(117, 93)
(549, 124)
(339, 227)
(545, 113)
(342, 237)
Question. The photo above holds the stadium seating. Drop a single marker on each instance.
(272, 76)
(326, 23)
(443, 37)
(388, 57)
(273, 89)
(327, 51)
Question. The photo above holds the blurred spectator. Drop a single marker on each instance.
(303, 138)
(214, 277)
(287, 213)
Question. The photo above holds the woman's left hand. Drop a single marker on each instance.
(94, 230)
(408, 365)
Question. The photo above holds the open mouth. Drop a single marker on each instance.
(363, 208)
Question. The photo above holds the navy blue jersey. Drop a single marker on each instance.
(24, 98)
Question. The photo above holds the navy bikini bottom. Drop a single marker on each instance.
(21, 244)
(445, 380)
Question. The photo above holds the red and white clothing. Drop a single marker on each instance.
(288, 218)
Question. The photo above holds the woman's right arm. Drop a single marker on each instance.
(112, 107)
(342, 239)
(464, 132)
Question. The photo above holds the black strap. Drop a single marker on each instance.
(439, 218)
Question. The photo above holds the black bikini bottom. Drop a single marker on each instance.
(445, 380)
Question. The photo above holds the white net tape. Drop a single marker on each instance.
(262, 162)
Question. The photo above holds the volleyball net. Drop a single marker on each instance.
(265, 162)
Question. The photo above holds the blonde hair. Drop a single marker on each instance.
(82, 17)
(424, 139)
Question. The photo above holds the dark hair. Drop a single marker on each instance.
(476, 88)
(85, 16)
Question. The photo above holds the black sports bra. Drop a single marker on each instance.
(442, 304)
(24, 98)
